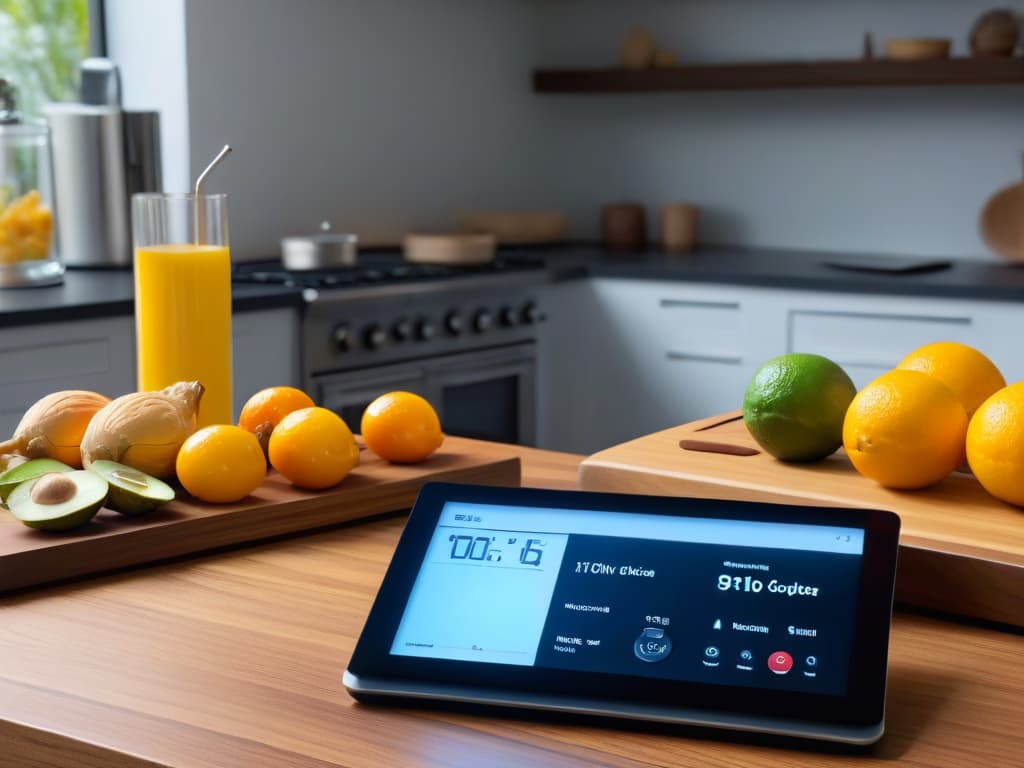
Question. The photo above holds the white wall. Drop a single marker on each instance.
(385, 116)
(146, 38)
(378, 115)
(902, 170)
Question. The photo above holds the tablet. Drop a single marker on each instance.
(730, 614)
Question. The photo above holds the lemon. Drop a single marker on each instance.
(795, 404)
(905, 429)
(995, 444)
(965, 370)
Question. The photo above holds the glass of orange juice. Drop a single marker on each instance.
(183, 296)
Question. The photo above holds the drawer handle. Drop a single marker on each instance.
(725, 359)
(682, 303)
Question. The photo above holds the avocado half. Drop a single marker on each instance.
(58, 501)
(30, 470)
(131, 492)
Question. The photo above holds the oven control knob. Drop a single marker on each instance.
(531, 313)
(402, 329)
(482, 320)
(341, 338)
(374, 337)
(453, 323)
(507, 316)
(424, 330)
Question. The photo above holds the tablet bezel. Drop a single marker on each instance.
(861, 708)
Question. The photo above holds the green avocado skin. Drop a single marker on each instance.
(129, 501)
(66, 523)
(92, 487)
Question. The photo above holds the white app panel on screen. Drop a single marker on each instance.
(481, 595)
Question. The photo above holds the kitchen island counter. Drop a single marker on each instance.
(235, 659)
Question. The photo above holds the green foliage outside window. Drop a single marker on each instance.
(41, 45)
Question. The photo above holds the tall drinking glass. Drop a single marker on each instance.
(183, 296)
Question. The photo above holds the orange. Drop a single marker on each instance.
(265, 409)
(313, 448)
(795, 404)
(965, 370)
(995, 444)
(221, 463)
(401, 427)
(905, 429)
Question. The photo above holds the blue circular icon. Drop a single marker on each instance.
(746, 655)
(711, 652)
(653, 645)
(811, 661)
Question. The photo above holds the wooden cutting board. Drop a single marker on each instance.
(961, 550)
(29, 557)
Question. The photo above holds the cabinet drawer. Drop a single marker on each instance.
(701, 331)
(869, 344)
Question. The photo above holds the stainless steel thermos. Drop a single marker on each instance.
(102, 155)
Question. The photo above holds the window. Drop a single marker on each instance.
(41, 45)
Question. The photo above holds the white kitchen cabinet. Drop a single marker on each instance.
(621, 358)
(265, 351)
(95, 354)
(99, 354)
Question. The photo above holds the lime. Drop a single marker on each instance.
(795, 405)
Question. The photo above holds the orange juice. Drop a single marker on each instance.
(183, 322)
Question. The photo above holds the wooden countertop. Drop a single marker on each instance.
(235, 659)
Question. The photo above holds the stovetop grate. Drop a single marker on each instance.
(378, 269)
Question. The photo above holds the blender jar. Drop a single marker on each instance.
(28, 253)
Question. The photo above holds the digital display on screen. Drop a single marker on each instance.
(731, 602)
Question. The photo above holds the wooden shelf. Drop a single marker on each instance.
(795, 74)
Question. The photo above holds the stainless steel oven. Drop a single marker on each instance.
(463, 338)
(488, 394)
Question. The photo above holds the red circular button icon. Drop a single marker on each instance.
(780, 662)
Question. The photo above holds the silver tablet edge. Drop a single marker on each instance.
(859, 735)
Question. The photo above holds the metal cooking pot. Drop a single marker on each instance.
(324, 251)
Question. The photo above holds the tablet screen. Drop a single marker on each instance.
(739, 614)
(732, 602)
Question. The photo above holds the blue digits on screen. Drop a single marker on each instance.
(479, 548)
(530, 554)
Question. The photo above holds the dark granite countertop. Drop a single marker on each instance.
(89, 293)
(802, 270)
(103, 293)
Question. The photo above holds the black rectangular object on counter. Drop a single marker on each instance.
(730, 614)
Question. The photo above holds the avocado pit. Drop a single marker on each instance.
(53, 488)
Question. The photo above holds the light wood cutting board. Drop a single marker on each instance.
(961, 550)
(29, 557)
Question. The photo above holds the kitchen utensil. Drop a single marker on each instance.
(624, 227)
(917, 48)
(449, 249)
(1002, 222)
(679, 227)
(327, 250)
(995, 33)
(27, 252)
(102, 155)
(518, 227)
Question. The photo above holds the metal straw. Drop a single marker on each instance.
(200, 208)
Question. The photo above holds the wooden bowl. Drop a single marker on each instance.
(917, 48)
(448, 249)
